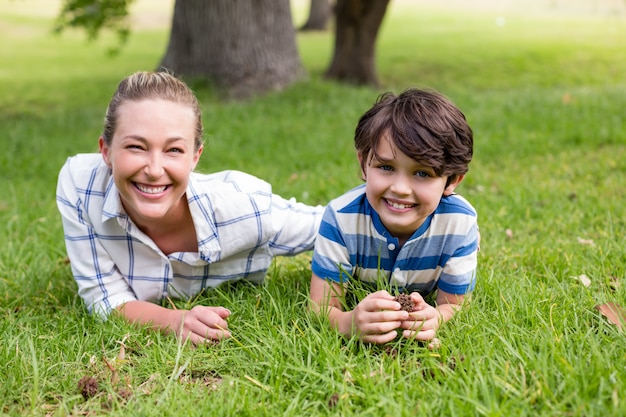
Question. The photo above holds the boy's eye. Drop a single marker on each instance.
(176, 150)
(422, 174)
(386, 167)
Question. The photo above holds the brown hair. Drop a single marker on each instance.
(424, 125)
(144, 85)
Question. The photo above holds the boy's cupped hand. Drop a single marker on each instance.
(378, 316)
(422, 323)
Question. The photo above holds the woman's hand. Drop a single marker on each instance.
(199, 325)
(203, 324)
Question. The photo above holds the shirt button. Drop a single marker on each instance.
(391, 246)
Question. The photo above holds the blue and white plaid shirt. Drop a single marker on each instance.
(240, 226)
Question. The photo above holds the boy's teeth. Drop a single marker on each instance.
(151, 190)
(399, 206)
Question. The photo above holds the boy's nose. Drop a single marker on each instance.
(401, 185)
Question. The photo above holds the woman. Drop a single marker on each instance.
(141, 226)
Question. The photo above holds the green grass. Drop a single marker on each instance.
(545, 95)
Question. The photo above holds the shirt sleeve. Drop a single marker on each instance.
(100, 284)
(458, 275)
(296, 226)
(331, 259)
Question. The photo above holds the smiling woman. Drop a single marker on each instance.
(141, 226)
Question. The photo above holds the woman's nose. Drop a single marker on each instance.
(154, 166)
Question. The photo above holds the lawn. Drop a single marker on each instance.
(543, 87)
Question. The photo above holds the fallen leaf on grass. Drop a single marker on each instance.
(586, 241)
(584, 279)
(614, 312)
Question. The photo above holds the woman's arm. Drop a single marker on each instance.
(201, 324)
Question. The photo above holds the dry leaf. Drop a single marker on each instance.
(615, 313)
(584, 279)
(509, 233)
(586, 241)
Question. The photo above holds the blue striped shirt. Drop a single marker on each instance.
(442, 253)
(240, 225)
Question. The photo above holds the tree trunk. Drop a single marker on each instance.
(357, 27)
(319, 14)
(242, 47)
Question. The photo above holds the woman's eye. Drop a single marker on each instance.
(133, 147)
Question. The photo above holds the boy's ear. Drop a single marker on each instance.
(453, 182)
(359, 155)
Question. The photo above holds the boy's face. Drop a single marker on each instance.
(151, 156)
(401, 190)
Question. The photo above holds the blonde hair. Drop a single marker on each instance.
(145, 85)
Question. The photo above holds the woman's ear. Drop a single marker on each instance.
(453, 182)
(196, 157)
(104, 151)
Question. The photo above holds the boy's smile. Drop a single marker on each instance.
(403, 191)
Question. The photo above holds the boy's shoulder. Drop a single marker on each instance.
(455, 203)
(351, 201)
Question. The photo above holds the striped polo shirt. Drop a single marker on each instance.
(442, 253)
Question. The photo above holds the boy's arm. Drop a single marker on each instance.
(448, 304)
(325, 298)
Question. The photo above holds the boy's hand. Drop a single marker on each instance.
(377, 316)
(423, 322)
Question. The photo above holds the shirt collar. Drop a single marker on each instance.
(112, 205)
(202, 215)
(204, 221)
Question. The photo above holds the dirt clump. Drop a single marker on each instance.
(406, 303)
(88, 386)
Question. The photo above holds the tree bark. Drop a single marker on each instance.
(242, 47)
(319, 15)
(357, 27)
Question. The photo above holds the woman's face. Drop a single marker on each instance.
(151, 156)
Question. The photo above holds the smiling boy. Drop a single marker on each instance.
(405, 223)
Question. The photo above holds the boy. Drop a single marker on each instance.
(405, 223)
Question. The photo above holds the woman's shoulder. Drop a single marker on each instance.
(84, 168)
(230, 181)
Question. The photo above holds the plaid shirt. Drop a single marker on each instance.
(240, 226)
